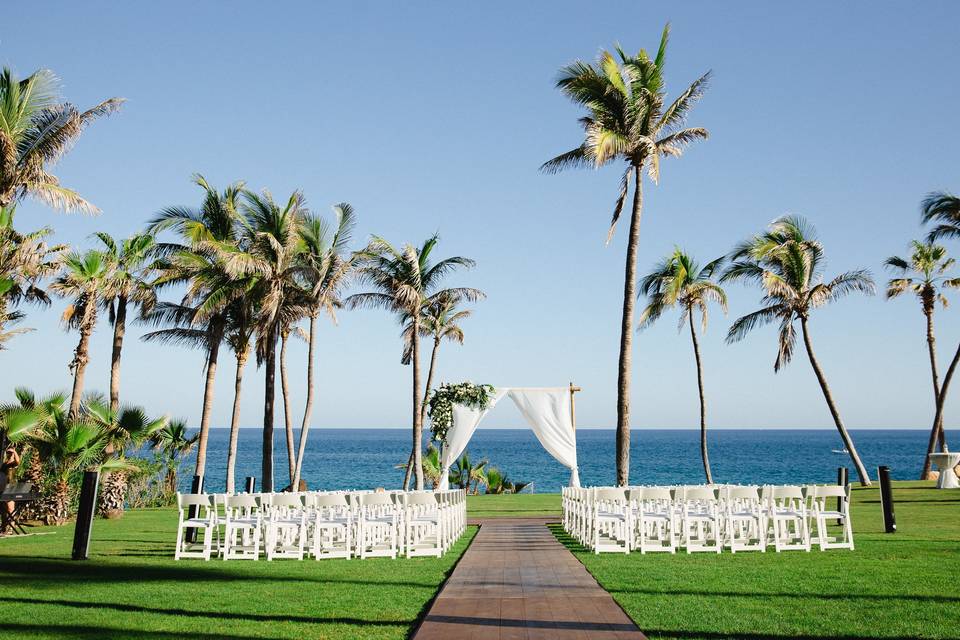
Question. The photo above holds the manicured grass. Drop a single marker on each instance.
(132, 588)
(904, 585)
(508, 505)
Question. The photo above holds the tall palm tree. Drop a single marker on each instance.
(193, 261)
(84, 278)
(628, 120)
(25, 260)
(329, 264)
(128, 283)
(174, 443)
(36, 130)
(402, 282)
(240, 330)
(678, 281)
(927, 265)
(439, 321)
(786, 262)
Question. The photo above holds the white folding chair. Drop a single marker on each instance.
(378, 526)
(611, 520)
(822, 512)
(423, 524)
(333, 525)
(746, 519)
(204, 521)
(654, 520)
(787, 511)
(701, 519)
(243, 520)
(285, 526)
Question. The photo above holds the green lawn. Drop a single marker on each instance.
(132, 588)
(904, 585)
(507, 505)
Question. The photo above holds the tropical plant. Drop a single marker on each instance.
(465, 474)
(498, 482)
(130, 262)
(927, 265)
(786, 262)
(36, 130)
(430, 465)
(678, 281)
(402, 282)
(173, 444)
(84, 279)
(328, 266)
(123, 429)
(628, 119)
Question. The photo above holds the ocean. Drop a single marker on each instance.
(366, 458)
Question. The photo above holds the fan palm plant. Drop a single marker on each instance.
(786, 262)
(403, 281)
(678, 281)
(465, 474)
(628, 120)
(36, 130)
(22, 422)
(173, 443)
(928, 264)
(122, 430)
(84, 279)
(329, 264)
(128, 283)
(430, 465)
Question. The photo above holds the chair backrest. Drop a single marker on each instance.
(330, 500)
(376, 499)
(651, 493)
(423, 499)
(287, 500)
(829, 491)
(699, 493)
(787, 492)
(241, 501)
(194, 500)
(743, 493)
(608, 494)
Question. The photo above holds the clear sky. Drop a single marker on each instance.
(435, 116)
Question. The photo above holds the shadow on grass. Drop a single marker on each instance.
(669, 634)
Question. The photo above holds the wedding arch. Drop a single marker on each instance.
(550, 412)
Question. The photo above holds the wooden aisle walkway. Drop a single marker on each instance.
(517, 581)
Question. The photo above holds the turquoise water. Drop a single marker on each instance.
(365, 458)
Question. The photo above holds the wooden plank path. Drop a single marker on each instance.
(517, 582)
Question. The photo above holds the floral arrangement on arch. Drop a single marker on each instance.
(442, 399)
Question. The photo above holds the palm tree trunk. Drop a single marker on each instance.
(417, 424)
(287, 418)
(937, 429)
(80, 358)
(703, 401)
(423, 408)
(269, 393)
(119, 329)
(408, 471)
(626, 334)
(308, 409)
(212, 358)
(847, 440)
(235, 422)
(938, 417)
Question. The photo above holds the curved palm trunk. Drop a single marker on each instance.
(423, 407)
(626, 334)
(941, 401)
(308, 409)
(269, 394)
(81, 356)
(287, 418)
(847, 441)
(937, 429)
(417, 423)
(703, 401)
(119, 329)
(212, 358)
(235, 422)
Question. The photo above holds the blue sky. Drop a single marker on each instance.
(435, 116)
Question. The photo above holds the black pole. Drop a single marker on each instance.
(88, 503)
(886, 500)
(843, 480)
(251, 484)
(195, 487)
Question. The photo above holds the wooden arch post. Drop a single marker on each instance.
(573, 405)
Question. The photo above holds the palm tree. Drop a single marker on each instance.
(402, 282)
(678, 281)
(215, 222)
(174, 443)
(627, 120)
(439, 321)
(240, 329)
(498, 482)
(123, 429)
(329, 264)
(129, 267)
(25, 259)
(464, 474)
(927, 264)
(786, 262)
(36, 130)
(84, 279)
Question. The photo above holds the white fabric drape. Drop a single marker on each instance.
(547, 410)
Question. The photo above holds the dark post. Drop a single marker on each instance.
(886, 500)
(843, 480)
(251, 484)
(88, 503)
(195, 487)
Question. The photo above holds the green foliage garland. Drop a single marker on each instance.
(440, 404)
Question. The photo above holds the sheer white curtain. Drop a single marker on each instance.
(547, 410)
